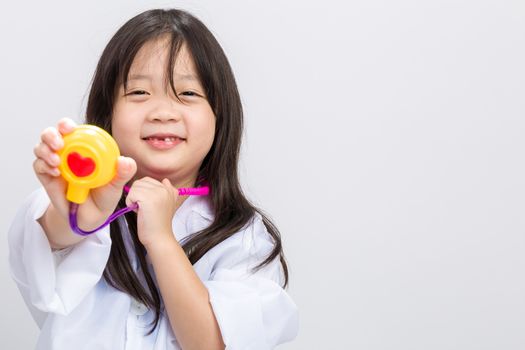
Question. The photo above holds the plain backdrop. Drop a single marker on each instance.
(385, 138)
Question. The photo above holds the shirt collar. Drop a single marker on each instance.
(198, 204)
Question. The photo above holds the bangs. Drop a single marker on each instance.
(182, 32)
(175, 43)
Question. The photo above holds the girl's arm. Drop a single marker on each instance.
(43, 276)
(185, 297)
(60, 236)
(98, 206)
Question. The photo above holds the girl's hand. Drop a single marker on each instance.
(157, 205)
(100, 203)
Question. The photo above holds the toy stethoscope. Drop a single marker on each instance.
(89, 160)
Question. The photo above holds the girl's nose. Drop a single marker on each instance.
(165, 110)
(163, 117)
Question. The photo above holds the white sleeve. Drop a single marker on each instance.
(252, 309)
(52, 281)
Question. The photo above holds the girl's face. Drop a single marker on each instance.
(167, 138)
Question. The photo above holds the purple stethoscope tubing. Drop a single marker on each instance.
(73, 209)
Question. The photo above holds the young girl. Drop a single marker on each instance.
(190, 272)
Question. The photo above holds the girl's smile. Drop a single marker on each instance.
(163, 141)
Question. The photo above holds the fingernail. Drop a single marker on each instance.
(57, 143)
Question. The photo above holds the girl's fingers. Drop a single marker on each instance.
(145, 182)
(141, 188)
(108, 196)
(51, 137)
(42, 168)
(66, 125)
(148, 180)
(42, 151)
(167, 184)
(126, 168)
(131, 197)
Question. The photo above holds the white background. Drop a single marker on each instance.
(385, 138)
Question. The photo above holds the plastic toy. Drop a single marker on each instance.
(87, 160)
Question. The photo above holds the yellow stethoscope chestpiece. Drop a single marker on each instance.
(88, 160)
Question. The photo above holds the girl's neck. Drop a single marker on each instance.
(186, 183)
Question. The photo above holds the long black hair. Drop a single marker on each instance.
(219, 168)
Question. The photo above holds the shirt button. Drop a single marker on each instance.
(137, 308)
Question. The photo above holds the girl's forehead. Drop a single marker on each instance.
(153, 57)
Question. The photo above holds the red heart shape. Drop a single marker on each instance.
(80, 166)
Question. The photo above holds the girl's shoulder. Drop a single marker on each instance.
(252, 240)
(201, 206)
(251, 243)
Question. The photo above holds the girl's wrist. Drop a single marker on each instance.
(162, 244)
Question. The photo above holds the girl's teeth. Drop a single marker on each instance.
(166, 139)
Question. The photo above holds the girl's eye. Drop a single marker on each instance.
(189, 93)
(137, 92)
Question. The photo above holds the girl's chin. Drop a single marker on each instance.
(157, 174)
(160, 173)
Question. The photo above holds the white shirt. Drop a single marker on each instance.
(76, 309)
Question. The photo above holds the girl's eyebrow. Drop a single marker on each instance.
(176, 77)
(139, 77)
(184, 77)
